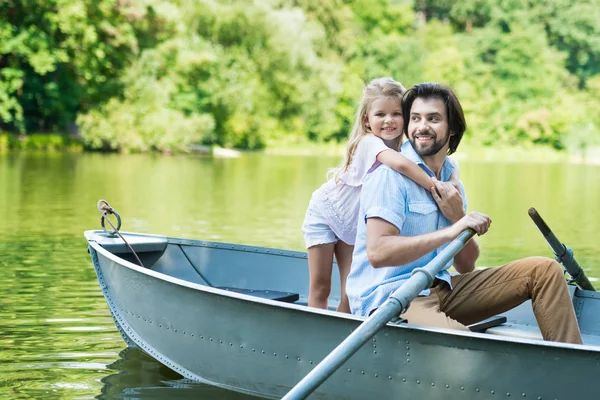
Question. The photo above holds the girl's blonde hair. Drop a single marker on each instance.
(380, 87)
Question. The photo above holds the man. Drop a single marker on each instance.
(402, 227)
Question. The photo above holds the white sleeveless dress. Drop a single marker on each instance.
(333, 209)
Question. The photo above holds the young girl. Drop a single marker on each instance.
(330, 223)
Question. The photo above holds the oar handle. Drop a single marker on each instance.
(555, 244)
(539, 221)
(563, 253)
(393, 306)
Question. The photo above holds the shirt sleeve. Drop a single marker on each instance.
(365, 156)
(384, 196)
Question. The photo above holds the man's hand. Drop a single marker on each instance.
(449, 200)
(479, 222)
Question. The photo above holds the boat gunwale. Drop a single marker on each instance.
(292, 306)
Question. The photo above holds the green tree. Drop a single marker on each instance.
(60, 57)
(569, 26)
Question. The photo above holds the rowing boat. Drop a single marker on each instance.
(236, 316)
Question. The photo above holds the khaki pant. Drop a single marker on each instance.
(482, 294)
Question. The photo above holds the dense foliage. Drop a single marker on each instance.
(137, 75)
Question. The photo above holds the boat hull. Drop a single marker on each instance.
(266, 347)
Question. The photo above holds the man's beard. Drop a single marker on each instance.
(430, 149)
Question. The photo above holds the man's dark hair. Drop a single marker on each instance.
(433, 90)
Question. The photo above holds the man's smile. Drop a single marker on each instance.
(424, 138)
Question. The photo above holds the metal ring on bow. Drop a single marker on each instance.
(105, 209)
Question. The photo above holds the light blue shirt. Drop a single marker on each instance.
(391, 196)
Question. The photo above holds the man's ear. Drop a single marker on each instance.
(451, 133)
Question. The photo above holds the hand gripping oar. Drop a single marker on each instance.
(396, 304)
(563, 253)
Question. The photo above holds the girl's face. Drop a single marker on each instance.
(384, 118)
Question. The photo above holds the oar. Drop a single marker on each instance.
(396, 304)
(563, 253)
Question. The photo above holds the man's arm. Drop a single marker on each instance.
(386, 248)
(464, 260)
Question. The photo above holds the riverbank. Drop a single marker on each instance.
(49, 142)
(467, 151)
(40, 142)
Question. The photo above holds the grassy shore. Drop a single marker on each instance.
(40, 141)
(467, 151)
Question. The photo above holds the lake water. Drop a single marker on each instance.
(57, 339)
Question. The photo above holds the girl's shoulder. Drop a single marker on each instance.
(371, 139)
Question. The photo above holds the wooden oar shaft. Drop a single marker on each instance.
(563, 253)
(555, 244)
(393, 307)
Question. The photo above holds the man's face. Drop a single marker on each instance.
(428, 130)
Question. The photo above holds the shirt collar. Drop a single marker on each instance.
(409, 152)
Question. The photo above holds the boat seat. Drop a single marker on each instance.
(286, 297)
(484, 325)
(480, 326)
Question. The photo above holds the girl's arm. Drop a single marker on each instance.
(455, 176)
(406, 167)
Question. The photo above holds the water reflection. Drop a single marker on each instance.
(139, 376)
